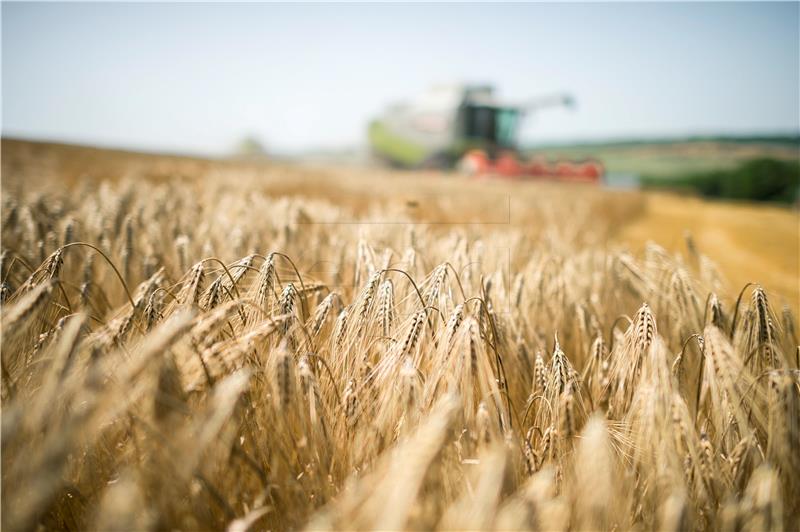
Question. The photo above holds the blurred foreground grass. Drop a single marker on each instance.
(750, 242)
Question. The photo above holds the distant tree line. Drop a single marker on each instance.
(789, 140)
(761, 179)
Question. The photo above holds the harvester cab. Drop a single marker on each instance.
(467, 127)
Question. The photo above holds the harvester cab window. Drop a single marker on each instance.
(490, 124)
(479, 123)
(506, 120)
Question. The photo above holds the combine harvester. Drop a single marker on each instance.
(466, 127)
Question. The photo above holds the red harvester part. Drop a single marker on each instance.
(479, 164)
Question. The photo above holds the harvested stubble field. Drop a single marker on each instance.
(190, 344)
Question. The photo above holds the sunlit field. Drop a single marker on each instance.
(200, 345)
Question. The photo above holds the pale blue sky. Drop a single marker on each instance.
(197, 77)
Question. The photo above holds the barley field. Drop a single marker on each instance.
(204, 345)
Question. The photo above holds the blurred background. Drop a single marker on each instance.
(697, 96)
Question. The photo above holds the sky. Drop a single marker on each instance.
(196, 78)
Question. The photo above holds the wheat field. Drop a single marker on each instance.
(198, 345)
